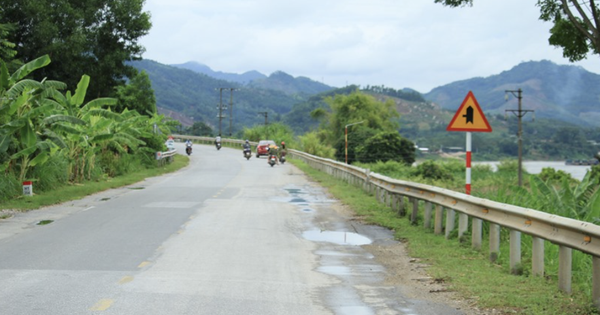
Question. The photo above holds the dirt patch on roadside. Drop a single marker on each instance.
(409, 275)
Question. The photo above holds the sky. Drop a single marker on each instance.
(400, 44)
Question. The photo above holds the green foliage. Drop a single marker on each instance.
(10, 186)
(196, 96)
(431, 170)
(357, 137)
(311, 143)
(409, 95)
(94, 37)
(508, 166)
(199, 129)
(137, 95)
(277, 132)
(386, 146)
(549, 174)
(357, 107)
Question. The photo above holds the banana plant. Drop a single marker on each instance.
(580, 202)
(26, 121)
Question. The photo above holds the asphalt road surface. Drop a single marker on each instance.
(225, 235)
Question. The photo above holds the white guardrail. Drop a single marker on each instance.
(567, 233)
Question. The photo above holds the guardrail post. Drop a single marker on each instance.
(367, 182)
(494, 241)
(415, 210)
(537, 256)
(596, 281)
(515, 252)
(564, 268)
(463, 225)
(402, 208)
(476, 233)
(427, 219)
(438, 221)
(450, 217)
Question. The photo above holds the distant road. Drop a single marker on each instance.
(222, 236)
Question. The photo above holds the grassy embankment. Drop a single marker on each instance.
(78, 191)
(464, 270)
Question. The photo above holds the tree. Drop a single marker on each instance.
(93, 37)
(387, 146)
(355, 107)
(138, 95)
(199, 129)
(576, 24)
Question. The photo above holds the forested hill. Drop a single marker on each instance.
(566, 93)
(197, 96)
(243, 78)
(278, 80)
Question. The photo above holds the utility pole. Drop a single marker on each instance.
(220, 115)
(231, 110)
(520, 113)
(266, 114)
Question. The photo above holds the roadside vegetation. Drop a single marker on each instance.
(469, 272)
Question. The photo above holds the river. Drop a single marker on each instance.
(535, 167)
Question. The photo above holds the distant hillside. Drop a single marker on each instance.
(281, 81)
(278, 81)
(185, 93)
(243, 78)
(566, 93)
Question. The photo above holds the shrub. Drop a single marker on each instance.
(431, 170)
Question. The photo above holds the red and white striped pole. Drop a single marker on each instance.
(468, 172)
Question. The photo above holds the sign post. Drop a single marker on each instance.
(469, 118)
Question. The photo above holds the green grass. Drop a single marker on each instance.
(464, 270)
(78, 191)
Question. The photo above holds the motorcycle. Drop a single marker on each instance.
(218, 145)
(247, 154)
(188, 149)
(282, 159)
(272, 160)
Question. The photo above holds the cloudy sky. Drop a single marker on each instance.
(396, 43)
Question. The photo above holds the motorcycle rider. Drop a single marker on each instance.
(218, 140)
(282, 152)
(273, 151)
(246, 147)
(188, 146)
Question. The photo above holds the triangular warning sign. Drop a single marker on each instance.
(469, 117)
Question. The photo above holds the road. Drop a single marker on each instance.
(222, 236)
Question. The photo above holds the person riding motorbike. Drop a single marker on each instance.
(282, 152)
(188, 146)
(273, 152)
(247, 147)
(218, 141)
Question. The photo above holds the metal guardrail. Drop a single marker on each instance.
(567, 233)
(165, 156)
(210, 140)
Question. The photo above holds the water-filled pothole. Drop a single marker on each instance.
(44, 222)
(336, 237)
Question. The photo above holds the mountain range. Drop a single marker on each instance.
(193, 92)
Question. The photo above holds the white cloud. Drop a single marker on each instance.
(408, 43)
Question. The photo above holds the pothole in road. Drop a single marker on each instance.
(336, 237)
(45, 222)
